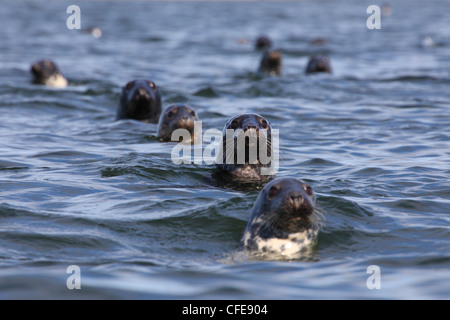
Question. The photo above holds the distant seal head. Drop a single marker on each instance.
(96, 32)
(271, 63)
(245, 154)
(46, 72)
(177, 116)
(140, 100)
(263, 43)
(318, 63)
(318, 41)
(284, 222)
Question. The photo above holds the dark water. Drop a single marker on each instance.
(78, 188)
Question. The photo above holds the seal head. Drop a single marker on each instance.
(318, 63)
(271, 63)
(177, 116)
(284, 221)
(246, 148)
(46, 72)
(262, 43)
(140, 100)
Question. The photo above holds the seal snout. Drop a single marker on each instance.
(251, 127)
(296, 200)
(185, 122)
(250, 130)
(142, 95)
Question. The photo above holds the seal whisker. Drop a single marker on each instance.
(318, 218)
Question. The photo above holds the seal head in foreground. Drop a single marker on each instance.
(177, 116)
(140, 100)
(284, 222)
(46, 72)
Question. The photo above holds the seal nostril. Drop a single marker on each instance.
(142, 92)
(296, 200)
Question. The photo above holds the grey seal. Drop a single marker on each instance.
(177, 116)
(271, 63)
(318, 63)
(284, 222)
(263, 42)
(46, 72)
(140, 100)
(242, 156)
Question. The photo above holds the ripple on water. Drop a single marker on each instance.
(11, 165)
(319, 162)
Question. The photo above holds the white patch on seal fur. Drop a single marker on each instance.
(290, 247)
(56, 81)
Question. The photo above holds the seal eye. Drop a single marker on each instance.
(264, 124)
(234, 125)
(170, 114)
(309, 190)
(192, 113)
(151, 85)
(273, 191)
(129, 85)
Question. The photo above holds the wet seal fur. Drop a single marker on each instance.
(46, 72)
(284, 222)
(318, 63)
(249, 126)
(271, 63)
(177, 116)
(140, 100)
